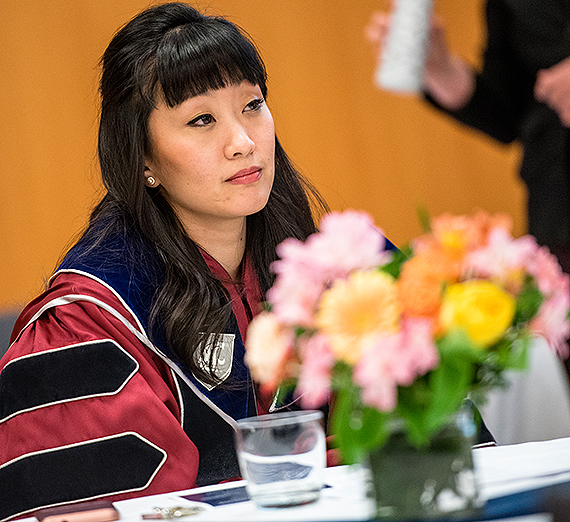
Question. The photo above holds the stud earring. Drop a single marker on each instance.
(151, 181)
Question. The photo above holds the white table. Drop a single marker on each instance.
(501, 470)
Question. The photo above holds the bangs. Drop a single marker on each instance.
(206, 55)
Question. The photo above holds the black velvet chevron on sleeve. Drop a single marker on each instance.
(94, 468)
(64, 374)
(125, 462)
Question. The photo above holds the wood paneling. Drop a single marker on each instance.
(363, 148)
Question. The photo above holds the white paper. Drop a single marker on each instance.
(403, 56)
(503, 470)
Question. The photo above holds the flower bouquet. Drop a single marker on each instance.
(397, 340)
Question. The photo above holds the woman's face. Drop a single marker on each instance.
(214, 155)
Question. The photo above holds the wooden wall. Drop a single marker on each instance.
(363, 148)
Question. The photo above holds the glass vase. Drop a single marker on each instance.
(434, 482)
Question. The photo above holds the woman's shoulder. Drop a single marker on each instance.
(122, 260)
(85, 300)
(79, 356)
(110, 247)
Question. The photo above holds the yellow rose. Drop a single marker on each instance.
(479, 308)
(355, 310)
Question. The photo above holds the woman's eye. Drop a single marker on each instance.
(255, 105)
(202, 120)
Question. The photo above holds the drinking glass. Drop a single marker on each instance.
(282, 456)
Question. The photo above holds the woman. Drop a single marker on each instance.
(126, 376)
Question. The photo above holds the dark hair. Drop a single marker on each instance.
(175, 52)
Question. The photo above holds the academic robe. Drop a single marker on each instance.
(90, 407)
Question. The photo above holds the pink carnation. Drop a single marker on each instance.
(348, 241)
(552, 322)
(314, 384)
(298, 285)
(294, 299)
(269, 346)
(548, 274)
(374, 374)
(395, 360)
(418, 347)
(501, 256)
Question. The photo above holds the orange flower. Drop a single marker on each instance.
(420, 286)
(455, 235)
(269, 350)
(451, 238)
(484, 222)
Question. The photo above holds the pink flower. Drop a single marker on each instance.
(314, 384)
(547, 272)
(395, 360)
(348, 241)
(298, 286)
(269, 346)
(502, 257)
(418, 347)
(552, 322)
(294, 298)
(374, 373)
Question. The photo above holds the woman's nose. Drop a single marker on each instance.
(239, 141)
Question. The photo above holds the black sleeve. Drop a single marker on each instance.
(502, 87)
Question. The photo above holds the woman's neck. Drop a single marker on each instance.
(225, 243)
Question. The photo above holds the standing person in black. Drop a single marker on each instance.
(521, 93)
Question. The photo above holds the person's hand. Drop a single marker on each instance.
(376, 31)
(446, 77)
(552, 87)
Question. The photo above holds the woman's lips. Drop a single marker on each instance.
(246, 176)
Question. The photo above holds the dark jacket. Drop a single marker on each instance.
(524, 36)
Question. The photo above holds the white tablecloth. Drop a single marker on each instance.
(501, 470)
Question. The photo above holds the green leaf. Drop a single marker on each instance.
(424, 219)
(283, 391)
(518, 354)
(341, 376)
(510, 351)
(449, 383)
(413, 406)
(500, 353)
(528, 302)
(394, 267)
(487, 375)
(357, 428)
(343, 427)
(456, 344)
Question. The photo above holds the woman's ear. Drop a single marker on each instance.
(150, 179)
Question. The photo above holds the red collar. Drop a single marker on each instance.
(245, 297)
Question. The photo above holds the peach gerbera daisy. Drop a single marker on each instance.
(355, 310)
